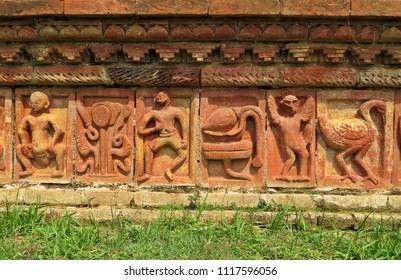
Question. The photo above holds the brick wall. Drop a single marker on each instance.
(206, 96)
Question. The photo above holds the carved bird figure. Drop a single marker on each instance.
(353, 137)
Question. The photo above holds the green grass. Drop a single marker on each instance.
(28, 233)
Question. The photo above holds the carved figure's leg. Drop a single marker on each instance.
(175, 143)
(60, 151)
(358, 160)
(25, 162)
(150, 149)
(340, 158)
(178, 161)
(287, 165)
(303, 156)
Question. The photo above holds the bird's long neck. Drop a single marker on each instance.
(365, 108)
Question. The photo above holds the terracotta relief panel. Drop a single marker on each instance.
(291, 138)
(232, 138)
(5, 134)
(397, 140)
(166, 131)
(355, 142)
(104, 135)
(44, 119)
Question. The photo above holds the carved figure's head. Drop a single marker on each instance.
(292, 103)
(39, 101)
(162, 99)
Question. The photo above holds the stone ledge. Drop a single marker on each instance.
(326, 220)
(123, 198)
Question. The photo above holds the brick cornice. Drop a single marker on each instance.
(145, 8)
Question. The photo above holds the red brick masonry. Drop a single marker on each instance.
(304, 8)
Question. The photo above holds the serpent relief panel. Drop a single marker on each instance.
(5, 134)
(104, 135)
(291, 137)
(355, 142)
(43, 134)
(166, 131)
(232, 137)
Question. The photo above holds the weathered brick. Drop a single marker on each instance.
(53, 197)
(231, 199)
(353, 202)
(367, 220)
(155, 199)
(106, 197)
(31, 7)
(381, 8)
(395, 202)
(99, 7)
(305, 8)
(240, 7)
(303, 201)
(12, 195)
(172, 7)
(337, 221)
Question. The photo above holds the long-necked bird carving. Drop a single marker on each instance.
(353, 137)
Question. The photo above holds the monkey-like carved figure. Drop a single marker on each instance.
(165, 119)
(295, 137)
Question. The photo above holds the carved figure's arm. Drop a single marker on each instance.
(23, 131)
(58, 131)
(182, 119)
(142, 130)
(308, 109)
(273, 110)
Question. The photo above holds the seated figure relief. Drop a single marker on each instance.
(40, 138)
(164, 134)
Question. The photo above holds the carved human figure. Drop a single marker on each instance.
(295, 137)
(165, 118)
(40, 137)
(353, 136)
